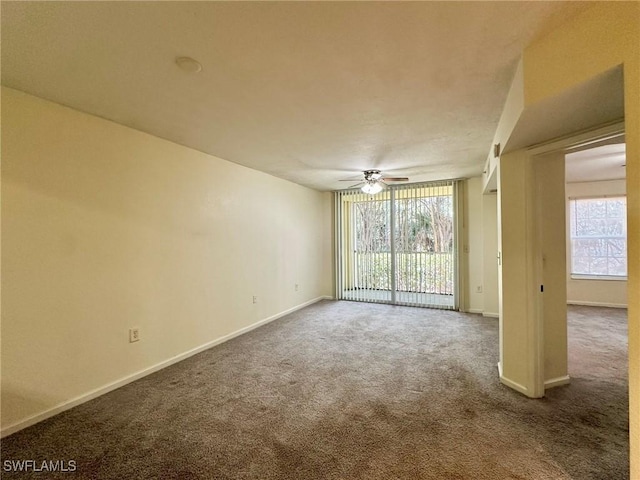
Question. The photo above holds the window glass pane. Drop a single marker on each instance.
(582, 210)
(597, 209)
(616, 209)
(615, 227)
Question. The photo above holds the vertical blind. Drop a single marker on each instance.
(397, 246)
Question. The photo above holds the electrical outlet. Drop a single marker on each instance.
(255, 299)
(134, 334)
(479, 289)
(297, 287)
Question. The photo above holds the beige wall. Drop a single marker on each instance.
(513, 108)
(490, 254)
(328, 253)
(533, 325)
(518, 297)
(106, 228)
(551, 237)
(602, 37)
(608, 293)
(480, 249)
(473, 244)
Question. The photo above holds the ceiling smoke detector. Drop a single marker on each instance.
(188, 64)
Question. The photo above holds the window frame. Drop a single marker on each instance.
(591, 276)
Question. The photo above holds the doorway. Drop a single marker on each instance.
(596, 225)
(398, 246)
(574, 229)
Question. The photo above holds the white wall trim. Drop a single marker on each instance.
(61, 407)
(474, 310)
(556, 382)
(596, 304)
(587, 137)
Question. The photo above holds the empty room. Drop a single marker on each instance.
(322, 240)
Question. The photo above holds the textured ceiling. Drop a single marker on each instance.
(596, 164)
(312, 92)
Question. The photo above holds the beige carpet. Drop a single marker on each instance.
(345, 390)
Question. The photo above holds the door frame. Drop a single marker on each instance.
(563, 145)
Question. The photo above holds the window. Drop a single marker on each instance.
(397, 246)
(598, 237)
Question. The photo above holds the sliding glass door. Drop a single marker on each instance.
(397, 246)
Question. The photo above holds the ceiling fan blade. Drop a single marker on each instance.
(356, 185)
(395, 179)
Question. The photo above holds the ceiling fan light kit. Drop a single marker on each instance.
(372, 187)
(374, 181)
(372, 175)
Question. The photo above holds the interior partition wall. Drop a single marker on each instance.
(398, 246)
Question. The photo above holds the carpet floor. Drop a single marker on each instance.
(345, 390)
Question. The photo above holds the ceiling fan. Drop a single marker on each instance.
(374, 181)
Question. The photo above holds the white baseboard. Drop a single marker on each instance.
(510, 383)
(482, 312)
(596, 304)
(147, 371)
(556, 382)
(514, 385)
